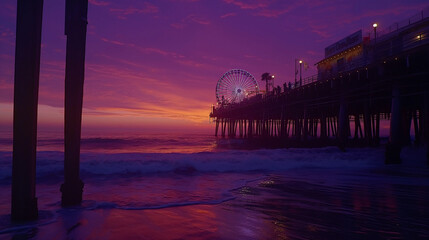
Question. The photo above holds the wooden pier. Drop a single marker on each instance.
(382, 78)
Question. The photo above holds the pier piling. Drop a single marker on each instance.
(75, 30)
(26, 88)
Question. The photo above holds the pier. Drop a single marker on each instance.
(360, 82)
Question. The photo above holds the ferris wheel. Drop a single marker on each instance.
(235, 85)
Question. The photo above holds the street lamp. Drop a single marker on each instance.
(300, 72)
(375, 25)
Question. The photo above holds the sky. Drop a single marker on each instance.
(152, 66)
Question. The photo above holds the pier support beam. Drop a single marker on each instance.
(26, 88)
(217, 126)
(305, 126)
(343, 124)
(393, 148)
(367, 125)
(75, 29)
(323, 128)
(250, 129)
(297, 126)
(424, 123)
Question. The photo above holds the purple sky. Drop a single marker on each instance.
(154, 65)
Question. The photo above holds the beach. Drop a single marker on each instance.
(320, 193)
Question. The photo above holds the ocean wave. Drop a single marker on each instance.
(50, 163)
(95, 205)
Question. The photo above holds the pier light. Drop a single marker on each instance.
(300, 61)
(375, 25)
(272, 76)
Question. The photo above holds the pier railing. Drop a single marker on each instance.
(401, 24)
(387, 45)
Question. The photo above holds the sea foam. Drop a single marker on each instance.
(50, 163)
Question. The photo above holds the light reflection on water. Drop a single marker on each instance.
(124, 143)
(325, 194)
(352, 208)
(299, 204)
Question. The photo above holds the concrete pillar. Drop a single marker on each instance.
(240, 128)
(377, 129)
(75, 30)
(282, 123)
(343, 121)
(297, 128)
(245, 128)
(424, 118)
(406, 126)
(416, 128)
(357, 123)
(315, 126)
(305, 126)
(250, 128)
(217, 126)
(424, 123)
(367, 124)
(323, 132)
(26, 88)
(393, 148)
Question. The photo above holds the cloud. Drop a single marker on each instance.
(122, 13)
(264, 8)
(114, 42)
(185, 0)
(117, 90)
(144, 50)
(247, 4)
(7, 36)
(396, 10)
(312, 53)
(231, 14)
(99, 2)
(178, 25)
(190, 19)
(169, 111)
(272, 13)
(321, 33)
(197, 19)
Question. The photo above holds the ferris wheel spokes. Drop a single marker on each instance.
(235, 85)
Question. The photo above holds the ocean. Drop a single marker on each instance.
(197, 186)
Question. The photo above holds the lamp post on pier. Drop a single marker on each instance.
(375, 25)
(300, 73)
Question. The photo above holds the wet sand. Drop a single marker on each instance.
(355, 196)
(387, 203)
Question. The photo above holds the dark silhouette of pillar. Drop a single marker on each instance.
(305, 125)
(75, 29)
(323, 132)
(27, 68)
(217, 126)
(393, 148)
(424, 122)
(250, 128)
(367, 124)
(343, 124)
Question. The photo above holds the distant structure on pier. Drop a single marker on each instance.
(361, 80)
